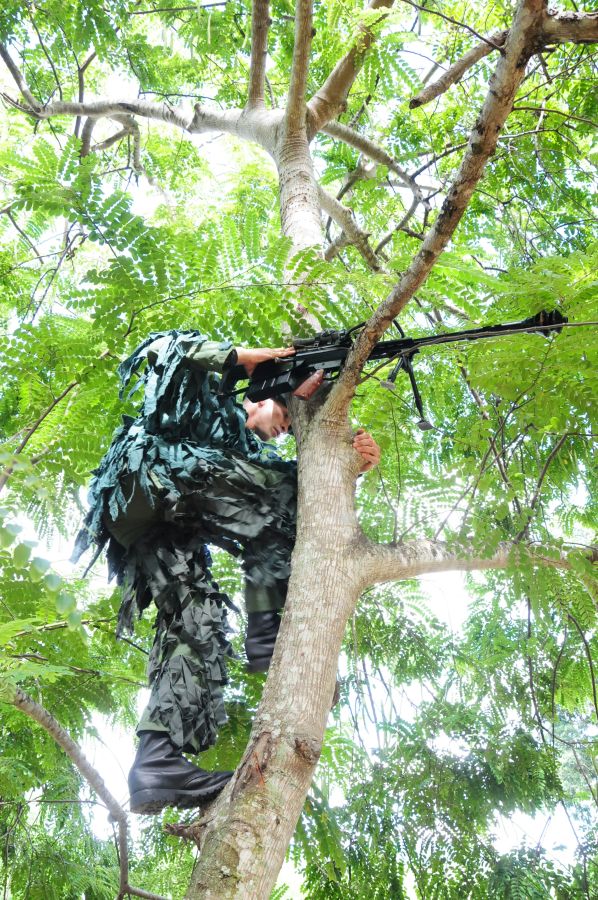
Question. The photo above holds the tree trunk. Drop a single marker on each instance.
(254, 820)
(299, 201)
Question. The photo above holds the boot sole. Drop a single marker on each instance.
(149, 802)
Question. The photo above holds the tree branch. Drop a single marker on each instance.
(130, 126)
(588, 652)
(81, 70)
(373, 151)
(260, 23)
(398, 562)
(331, 98)
(343, 216)
(39, 714)
(570, 27)
(295, 111)
(458, 69)
(98, 108)
(23, 234)
(86, 133)
(20, 81)
(47, 55)
(400, 226)
(31, 431)
(555, 450)
(258, 126)
(109, 142)
(519, 46)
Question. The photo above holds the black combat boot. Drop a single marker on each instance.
(262, 628)
(161, 776)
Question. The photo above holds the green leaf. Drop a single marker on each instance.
(52, 581)
(65, 603)
(20, 556)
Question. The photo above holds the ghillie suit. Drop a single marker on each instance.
(184, 473)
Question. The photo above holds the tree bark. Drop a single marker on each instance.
(254, 820)
(299, 202)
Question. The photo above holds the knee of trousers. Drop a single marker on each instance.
(265, 598)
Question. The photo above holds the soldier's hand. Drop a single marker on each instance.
(249, 359)
(367, 448)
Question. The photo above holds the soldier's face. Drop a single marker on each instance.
(267, 418)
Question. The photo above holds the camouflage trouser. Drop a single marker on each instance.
(243, 507)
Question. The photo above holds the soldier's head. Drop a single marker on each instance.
(268, 418)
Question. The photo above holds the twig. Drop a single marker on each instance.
(557, 112)
(47, 55)
(23, 234)
(434, 12)
(31, 431)
(399, 226)
(588, 653)
(538, 490)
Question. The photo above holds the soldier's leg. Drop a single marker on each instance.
(187, 673)
(252, 505)
(186, 669)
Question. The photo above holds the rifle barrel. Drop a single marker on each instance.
(386, 349)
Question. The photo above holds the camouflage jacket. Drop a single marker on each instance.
(182, 418)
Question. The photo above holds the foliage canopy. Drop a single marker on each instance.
(439, 731)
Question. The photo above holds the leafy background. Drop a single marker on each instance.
(439, 730)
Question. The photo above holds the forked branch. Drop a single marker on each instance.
(557, 28)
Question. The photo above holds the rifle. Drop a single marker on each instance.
(328, 351)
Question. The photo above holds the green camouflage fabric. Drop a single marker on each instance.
(182, 474)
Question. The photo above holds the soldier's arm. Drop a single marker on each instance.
(215, 356)
(212, 356)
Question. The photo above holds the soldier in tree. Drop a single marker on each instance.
(192, 469)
